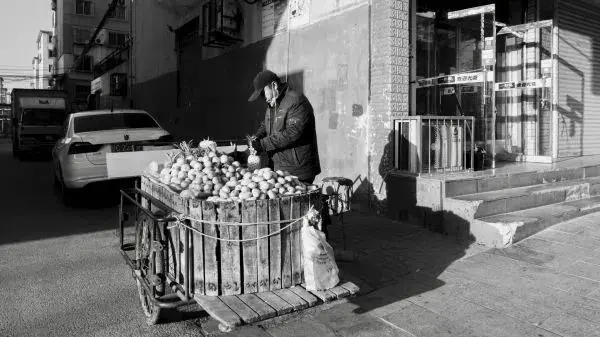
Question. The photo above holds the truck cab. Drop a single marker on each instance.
(37, 118)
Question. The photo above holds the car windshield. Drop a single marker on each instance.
(43, 116)
(113, 121)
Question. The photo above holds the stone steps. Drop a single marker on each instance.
(503, 216)
(493, 207)
(502, 230)
(479, 205)
(476, 184)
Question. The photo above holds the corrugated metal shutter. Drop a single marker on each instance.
(579, 79)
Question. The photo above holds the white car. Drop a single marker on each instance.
(79, 156)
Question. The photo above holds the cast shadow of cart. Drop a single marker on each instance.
(401, 253)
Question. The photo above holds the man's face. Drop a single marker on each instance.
(271, 94)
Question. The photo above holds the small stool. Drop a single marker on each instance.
(332, 201)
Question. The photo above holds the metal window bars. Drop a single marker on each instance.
(434, 144)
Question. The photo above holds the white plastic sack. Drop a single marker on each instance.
(320, 269)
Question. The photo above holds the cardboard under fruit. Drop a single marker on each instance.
(133, 164)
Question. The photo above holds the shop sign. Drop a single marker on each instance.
(531, 84)
(469, 78)
(448, 91)
(426, 82)
(451, 79)
(471, 11)
(468, 89)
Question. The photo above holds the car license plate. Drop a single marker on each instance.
(125, 147)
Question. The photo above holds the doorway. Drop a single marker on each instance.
(456, 67)
(523, 92)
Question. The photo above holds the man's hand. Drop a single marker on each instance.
(257, 145)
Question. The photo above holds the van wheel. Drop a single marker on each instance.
(15, 150)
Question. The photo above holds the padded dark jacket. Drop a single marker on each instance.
(291, 138)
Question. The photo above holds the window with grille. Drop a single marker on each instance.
(82, 92)
(81, 35)
(116, 39)
(118, 13)
(86, 64)
(83, 7)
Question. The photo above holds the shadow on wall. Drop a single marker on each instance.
(571, 108)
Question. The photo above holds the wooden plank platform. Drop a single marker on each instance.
(261, 308)
(236, 310)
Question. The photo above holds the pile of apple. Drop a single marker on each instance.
(207, 173)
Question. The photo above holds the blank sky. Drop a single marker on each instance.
(20, 22)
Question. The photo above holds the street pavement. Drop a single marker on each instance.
(61, 275)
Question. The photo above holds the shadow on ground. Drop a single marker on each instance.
(394, 261)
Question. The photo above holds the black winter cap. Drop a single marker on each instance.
(261, 80)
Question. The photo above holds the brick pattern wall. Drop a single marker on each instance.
(389, 86)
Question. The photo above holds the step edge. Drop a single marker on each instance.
(510, 229)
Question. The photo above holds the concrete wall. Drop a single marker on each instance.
(328, 60)
(153, 44)
(351, 61)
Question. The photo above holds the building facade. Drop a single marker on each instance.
(44, 61)
(74, 23)
(522, 69)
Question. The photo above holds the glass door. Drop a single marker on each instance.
(455, 68)
(524, 91)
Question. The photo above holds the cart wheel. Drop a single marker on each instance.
(225, 328)
(151, 311)
(150, 262)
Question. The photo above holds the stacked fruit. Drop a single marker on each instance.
(207, 173)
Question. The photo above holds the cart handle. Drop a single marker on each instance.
(126, 193)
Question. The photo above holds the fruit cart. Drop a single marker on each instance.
(239, 259)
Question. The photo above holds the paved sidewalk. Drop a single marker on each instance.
(418, 283)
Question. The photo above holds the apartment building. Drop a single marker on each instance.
(74, 23)
(43, 62)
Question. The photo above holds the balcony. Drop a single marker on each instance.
(113, 60)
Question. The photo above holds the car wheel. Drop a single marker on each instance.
(15, 151)
(57, 184)
(68, 195)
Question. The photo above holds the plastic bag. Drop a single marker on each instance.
(320, 269)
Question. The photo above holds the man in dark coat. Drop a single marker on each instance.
(288, 133)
